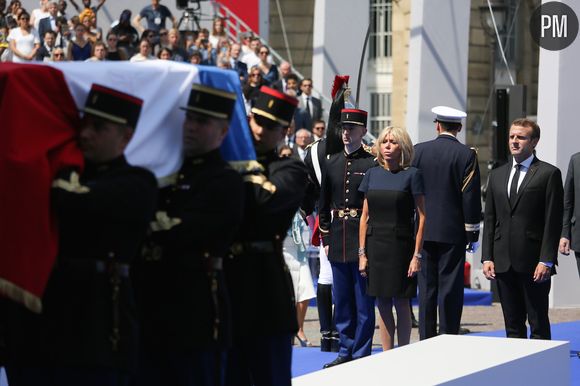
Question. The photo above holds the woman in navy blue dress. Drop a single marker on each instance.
(389, 250)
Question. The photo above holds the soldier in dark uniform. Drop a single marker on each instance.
(183, 302)
(453, 207)
(257, 274)
(88, 323)
(340, 209)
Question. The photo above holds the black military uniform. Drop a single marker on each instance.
(453, 213)
(340, 209)
(87, 331)
(183, 302)
(256, 271)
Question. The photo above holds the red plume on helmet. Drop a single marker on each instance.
(339, 80)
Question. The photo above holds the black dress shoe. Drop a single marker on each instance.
(337, 361)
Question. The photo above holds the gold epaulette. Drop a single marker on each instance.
(369, 149)
(312, 144)
(247, 167)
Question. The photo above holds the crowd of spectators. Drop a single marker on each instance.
(53, 32)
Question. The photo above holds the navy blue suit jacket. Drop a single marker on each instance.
(452, 188)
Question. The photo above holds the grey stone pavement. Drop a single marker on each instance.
(475, 318)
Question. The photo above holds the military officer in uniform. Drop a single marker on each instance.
(185, 310)
(89, 320)
(453, 207)
(340, 209)
(256, 272)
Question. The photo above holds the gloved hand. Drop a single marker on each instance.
(472, 247)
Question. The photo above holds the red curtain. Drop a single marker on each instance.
(38, 121)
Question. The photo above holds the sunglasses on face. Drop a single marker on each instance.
(255, 75)
(24, 18)
(263, 53)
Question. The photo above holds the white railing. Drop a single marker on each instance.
(236, 26)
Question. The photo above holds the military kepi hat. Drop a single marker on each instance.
(448, 114)
(354, 117)
(275, 105)
(113, 105)
(213, 102)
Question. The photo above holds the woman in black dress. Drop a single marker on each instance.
(394, 198)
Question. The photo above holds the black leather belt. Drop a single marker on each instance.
(252, 247)
(100, 266)
(346, 213)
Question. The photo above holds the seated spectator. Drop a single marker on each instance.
(165, 54)
(195, 57)
(251, 58)
(48, 23)
(179, 54)
(270, 71)
(144, 52)
(285, 151)
(318, 129)
(163, 39)
(303, 138)
(223, 46)
(204, 47)
(61, 6)
(244, 39)
(223, 61)
(291, 84)
(113, 53)
(23, 40)
(151, 37)
(79, 49)
(252, 89)
(4, 46)
(63, 33)
(126, 34)
(93, 33)
(99, 53)
(39, 14)
(58, 55)
(284, 69)
(237, 65)
(218, 31)
(44, 53)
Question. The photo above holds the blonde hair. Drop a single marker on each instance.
(402, 138)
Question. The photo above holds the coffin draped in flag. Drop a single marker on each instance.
(40, 112)
(37, 134)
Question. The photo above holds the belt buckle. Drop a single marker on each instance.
(353, 213)
(341, 213)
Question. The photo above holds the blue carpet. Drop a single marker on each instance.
(471, 297)
(310, 359)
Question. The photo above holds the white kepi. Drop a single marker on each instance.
(448, 114)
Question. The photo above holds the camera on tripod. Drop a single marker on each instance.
(188, 4)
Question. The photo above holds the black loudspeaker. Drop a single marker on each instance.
(510, 105)
(181, 4)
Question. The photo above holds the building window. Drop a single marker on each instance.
(380, 44)
(380, 112)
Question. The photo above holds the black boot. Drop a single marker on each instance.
(324, 303)
(334, 342)
(326, 341)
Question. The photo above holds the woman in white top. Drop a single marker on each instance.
(218, 31)
(144, 52)
(23, 40)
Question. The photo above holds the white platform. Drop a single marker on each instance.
(455, 360)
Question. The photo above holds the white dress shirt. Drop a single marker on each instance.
(525, 166)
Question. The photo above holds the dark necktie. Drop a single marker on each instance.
(308, 105)
(514, 185)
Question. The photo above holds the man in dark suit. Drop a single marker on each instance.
(240, 67)
(570, 232)
(453, 207)
(45, 51)
(523, 220)
(309, 106)
(48, 23)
